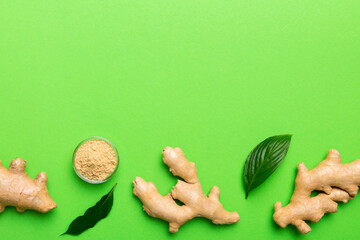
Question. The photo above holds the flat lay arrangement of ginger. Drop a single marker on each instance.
(19, 190)
(189, 192)
(336, 181)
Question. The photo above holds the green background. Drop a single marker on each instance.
(212, 77)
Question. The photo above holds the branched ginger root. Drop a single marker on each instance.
(189, 192)
(338, 182)
(19, 190)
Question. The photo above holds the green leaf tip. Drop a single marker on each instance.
(93, 215)
(264, 159)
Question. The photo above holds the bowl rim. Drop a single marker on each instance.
(92, 181)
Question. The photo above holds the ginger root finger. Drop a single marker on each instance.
(189, 192)
(336, 181)
(19, 190)
(163, 207)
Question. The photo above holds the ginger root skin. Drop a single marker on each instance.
(189, 192)
(336, 181)
(19, 190)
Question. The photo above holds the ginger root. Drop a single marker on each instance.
(189, 192)
(338, 182)
(19, 190)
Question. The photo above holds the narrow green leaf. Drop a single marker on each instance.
(264, 159)
(93, 215)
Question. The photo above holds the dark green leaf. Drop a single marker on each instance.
(93, 215)
(264, 159)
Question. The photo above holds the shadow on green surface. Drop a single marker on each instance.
(28, 214)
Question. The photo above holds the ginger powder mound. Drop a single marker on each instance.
(95, 159)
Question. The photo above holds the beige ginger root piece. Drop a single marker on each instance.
(338, 182)
(19, 190)
(189, 192)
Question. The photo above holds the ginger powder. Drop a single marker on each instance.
(95, 159)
